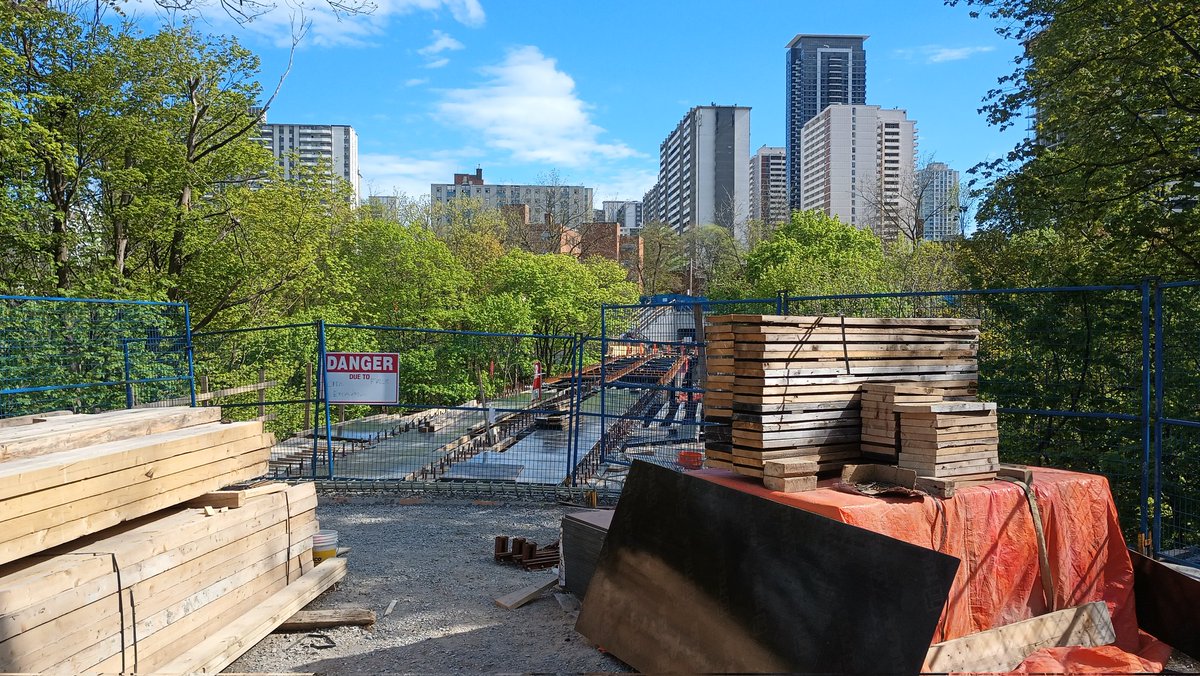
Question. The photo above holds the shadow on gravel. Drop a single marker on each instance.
(484, 650)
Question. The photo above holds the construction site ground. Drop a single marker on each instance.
(434, 558)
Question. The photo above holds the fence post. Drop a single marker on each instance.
(573, 417)
(324, 392)
(603, 375)
(1144, 521)
(191, 352)
(1156, 534)
(781, 302)
(129, 385)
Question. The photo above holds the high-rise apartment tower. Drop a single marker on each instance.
(822, 70)
(310, 145)
(704, 171)
(768, 186)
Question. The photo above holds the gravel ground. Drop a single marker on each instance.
(435, 560)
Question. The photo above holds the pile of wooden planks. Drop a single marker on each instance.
(78, 474)
(951, 439)
(718, 393)
(880, 425)
(797, 380)
(119, 553)
(790, 476)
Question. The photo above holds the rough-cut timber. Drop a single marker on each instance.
(795, 385)
(68, 488)
(133, 597)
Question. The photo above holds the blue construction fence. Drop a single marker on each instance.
(1102, 379)
(87, 355)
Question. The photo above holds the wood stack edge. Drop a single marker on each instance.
(121, 554)
(810, 395)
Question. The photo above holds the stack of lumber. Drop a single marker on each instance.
(120, 554)
(132, 598)
(798, 380)
(75, 475)
(718, 393)
(880, 437)
(790, 476)
(952, 439)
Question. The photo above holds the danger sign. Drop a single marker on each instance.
(362, 377)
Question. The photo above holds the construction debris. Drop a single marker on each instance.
(308, 620)
(526, 554)
(520, 597)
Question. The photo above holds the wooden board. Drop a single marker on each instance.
(1002, 649)
(518, 598)
(795, 484)
(224, 646)
(682, 590)
(70, 432)
(308, 620)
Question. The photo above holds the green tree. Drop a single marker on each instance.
(712, 253)
(1115, 90)
(662, 259)
(816, 254)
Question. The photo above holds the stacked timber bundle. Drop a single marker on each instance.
(952, 439)
(797, 391)
(120, 554)
(76, 475)
(880, 429)
(718, 393)
(790, 476)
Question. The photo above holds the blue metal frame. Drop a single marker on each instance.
(127, 382)
(323, 391)
(1146, 422)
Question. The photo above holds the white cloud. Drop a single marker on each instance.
(438, 63)
(528, 107)
(328, 28)
(385, 174)
(441, 42)
(624, 184)
(941, 54)
(413, 82)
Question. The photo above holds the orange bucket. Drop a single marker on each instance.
(690, 459)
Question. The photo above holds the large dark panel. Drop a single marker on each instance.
(1168, 604)
(697, 577)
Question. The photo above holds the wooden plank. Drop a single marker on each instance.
(946, 407)
(226, 645)
(794, 484)
(789, 467)
(1002, 649)
(235, 498)
(208, 396)
(811, 320)
(308, 620)
(43, 438)
(520, 597)
(22, 420)
(26, 475)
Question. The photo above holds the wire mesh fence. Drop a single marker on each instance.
(87, 355)
(1175, 472)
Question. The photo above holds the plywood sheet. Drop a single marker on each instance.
(698, 577)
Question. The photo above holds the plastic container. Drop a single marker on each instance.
(325, 544)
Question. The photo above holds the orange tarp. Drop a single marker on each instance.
(989, 528)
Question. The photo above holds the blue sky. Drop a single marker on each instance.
(589, 89)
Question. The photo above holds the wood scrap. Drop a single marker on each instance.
(308, 620)
(1002, 649)
(520, 597)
